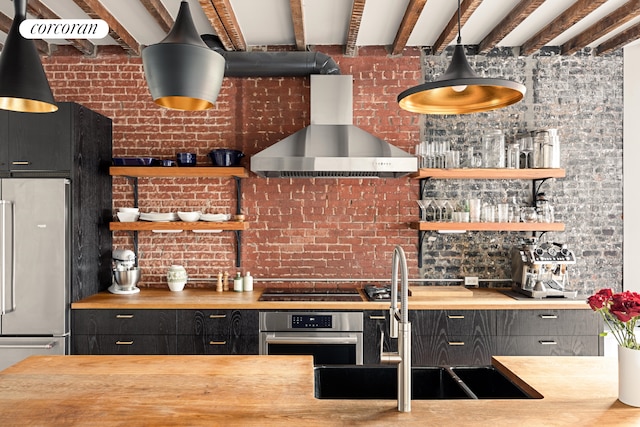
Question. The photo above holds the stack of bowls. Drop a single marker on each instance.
(128, 214)
(189, 216)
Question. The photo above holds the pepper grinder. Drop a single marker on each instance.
(219, 284)
(226, 281)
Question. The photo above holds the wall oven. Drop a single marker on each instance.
(330, 337)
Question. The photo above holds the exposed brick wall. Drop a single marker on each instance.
(581, 96)
(320, 228)
(328, 228)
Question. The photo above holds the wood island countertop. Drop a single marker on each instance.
(278, 391)
(423, 298)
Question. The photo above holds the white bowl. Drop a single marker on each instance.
(189, 216)
(128, 216)
(129, 210)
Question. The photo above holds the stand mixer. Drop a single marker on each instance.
(125, 272)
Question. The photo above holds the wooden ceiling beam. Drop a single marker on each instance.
(519, 13)
(216, 23)
(96, 10)
(160, 14)
(450, 32)
(575, 13)
(297, 18)
(615, 19)
(409, 21)
(227, 17)
(629, 35)
(351, 48)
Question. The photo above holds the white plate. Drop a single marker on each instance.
(215, 217)
(158, 217)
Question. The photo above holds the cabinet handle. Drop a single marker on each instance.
(455, 316)
(124, 342)
(21, 162)
(124, 316)
(458, 343)
(217, 342)
(548, 342)
(548, 316)
(217, 316)
(377, 317)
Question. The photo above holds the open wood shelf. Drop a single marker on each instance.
(497, 173)
(487, 226)
(178, 225)
(178, 172)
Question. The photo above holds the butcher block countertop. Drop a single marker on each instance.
(422, 298)
(278, 391)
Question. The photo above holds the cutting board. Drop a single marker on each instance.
(441, 291)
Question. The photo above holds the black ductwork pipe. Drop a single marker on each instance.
(272, 64)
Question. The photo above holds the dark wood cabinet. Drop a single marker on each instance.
(450, 337)
(217, 332)
(123, 332)
(548, 333)
(40, 142)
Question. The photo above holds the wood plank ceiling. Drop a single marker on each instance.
(614, 30)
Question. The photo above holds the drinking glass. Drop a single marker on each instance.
(526, 148)
(447, 211)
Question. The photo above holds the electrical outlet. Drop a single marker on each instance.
(471, 282)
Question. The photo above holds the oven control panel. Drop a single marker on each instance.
(311, 321)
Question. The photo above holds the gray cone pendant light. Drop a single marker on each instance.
(460, 91)
(182, 72)
(23, 83)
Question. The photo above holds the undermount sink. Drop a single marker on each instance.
(380, 382)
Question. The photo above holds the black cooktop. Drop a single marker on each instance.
(310, 294)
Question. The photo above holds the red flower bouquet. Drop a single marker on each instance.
(621, 311)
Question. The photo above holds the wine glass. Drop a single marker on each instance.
(423, 209)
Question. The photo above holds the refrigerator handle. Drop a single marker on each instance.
(7, 227)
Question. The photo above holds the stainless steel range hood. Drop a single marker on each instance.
(332, 147)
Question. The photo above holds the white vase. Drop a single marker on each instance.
(629, 376)
(176, 278)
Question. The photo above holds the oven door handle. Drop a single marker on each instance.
(271, 339)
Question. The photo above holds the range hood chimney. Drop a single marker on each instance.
(332, 147)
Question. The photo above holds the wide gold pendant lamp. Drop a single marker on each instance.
(182, 72)
(460, 90)
(23, 83)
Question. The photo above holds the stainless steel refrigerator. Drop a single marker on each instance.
(34, 268)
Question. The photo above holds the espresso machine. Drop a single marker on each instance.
(540, 270)
(126, 273)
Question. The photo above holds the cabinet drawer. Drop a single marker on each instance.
(547, 322)
(206, 344)
(545, 345)
(217, 323)
(452, 322)
(123, 344)
(131, 322)
(452, 350)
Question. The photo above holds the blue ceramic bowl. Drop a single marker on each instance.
(186, 159)
(225, 157)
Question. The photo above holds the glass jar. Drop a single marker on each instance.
(493, 151)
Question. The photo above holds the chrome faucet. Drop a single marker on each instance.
(400, 327)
